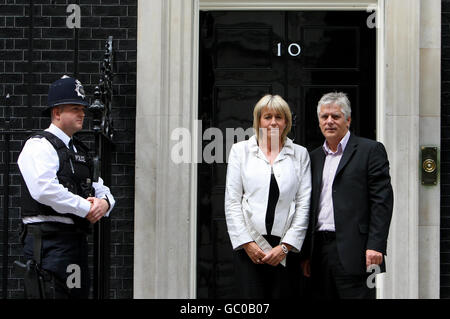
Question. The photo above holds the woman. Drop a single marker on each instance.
(267, 201)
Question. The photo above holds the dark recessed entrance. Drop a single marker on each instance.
(298, 55)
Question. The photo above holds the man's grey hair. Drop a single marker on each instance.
(338, 98)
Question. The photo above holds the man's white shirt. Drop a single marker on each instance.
(38, 162)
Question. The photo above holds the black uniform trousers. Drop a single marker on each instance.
(58, 251)
(329, 279)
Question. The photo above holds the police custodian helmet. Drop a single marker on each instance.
(66, 90)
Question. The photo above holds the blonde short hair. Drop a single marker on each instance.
(280, 106)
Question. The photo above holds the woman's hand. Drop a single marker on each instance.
(275, 256)
(254, 252)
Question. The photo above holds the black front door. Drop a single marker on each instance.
(298, 55)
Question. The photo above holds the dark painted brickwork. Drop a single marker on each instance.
(53, 56)
(445, 152)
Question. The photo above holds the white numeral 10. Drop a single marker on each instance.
(293, 49)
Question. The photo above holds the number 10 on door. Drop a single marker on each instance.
(294, 49)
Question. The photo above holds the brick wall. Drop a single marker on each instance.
(445, 152)
(53, 56)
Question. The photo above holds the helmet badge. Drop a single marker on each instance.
(79, 89)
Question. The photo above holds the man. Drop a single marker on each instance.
(351, 207)
(61, 199)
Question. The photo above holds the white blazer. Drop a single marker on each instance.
(247, 193)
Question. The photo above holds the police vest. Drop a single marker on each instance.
(75, 173)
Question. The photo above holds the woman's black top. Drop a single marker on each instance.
(274, 193)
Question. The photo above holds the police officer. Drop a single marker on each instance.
(60, 199)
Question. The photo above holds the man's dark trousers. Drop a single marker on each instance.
(329, 278)
(58, 251)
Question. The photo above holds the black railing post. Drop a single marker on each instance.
(76, 48)
(103, 133)
(29, 120)
(6, 155)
